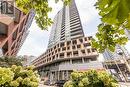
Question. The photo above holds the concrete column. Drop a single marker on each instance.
(65, 54)
(58, 75)
(63, 75)
(70, 61)
(67, 76)
(82, 59)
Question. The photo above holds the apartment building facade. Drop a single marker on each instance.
(67, 25)
(14, 26)
(68, 48)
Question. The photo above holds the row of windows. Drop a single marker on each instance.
(66, 46)
(68, 54)
(73, 42)
(73, 61)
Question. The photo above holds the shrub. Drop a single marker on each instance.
(17, 76)
(7, 61)
(91, 78)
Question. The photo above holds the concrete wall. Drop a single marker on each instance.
(83, 66)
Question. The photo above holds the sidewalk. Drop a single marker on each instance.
(122, 84)
(41, 85)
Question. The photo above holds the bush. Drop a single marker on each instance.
(17, 76)
(91, 78)
(7, 61)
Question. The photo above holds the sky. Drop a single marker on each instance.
(37, 41)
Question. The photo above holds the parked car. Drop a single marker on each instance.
(60, 83)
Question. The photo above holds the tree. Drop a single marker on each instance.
(9, 61)
(17, 76)
(41, 9)
(115, 17)
(91, 78)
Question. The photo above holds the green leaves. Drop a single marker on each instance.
(91, 78)
(115, 17)
(17, 76)
(108, 37)
(6, 75)
(113, 11)
(41, 9)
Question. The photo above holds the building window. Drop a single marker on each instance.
(51, 49)
(88, 50)
(52, 53)
(86, 60)
(87, 44)
(69, 54)
(56, 55)
(55, 47)
(83, 51)
(61, 55)
(89, 38)
(85, 39)
(53, 58)
(73, 47)
(68, 48)
(5, 48)
(21, 26)
(93, 50)
(74, 41)
(75, 53)
(64, 49)
(55, 51)
(15, 35)
(69, 42)
(76, 61)
(58, 49)
(78, 46)
(81, 40)
(62, 44)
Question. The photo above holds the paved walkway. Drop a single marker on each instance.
(41, 85)
(122, 84)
